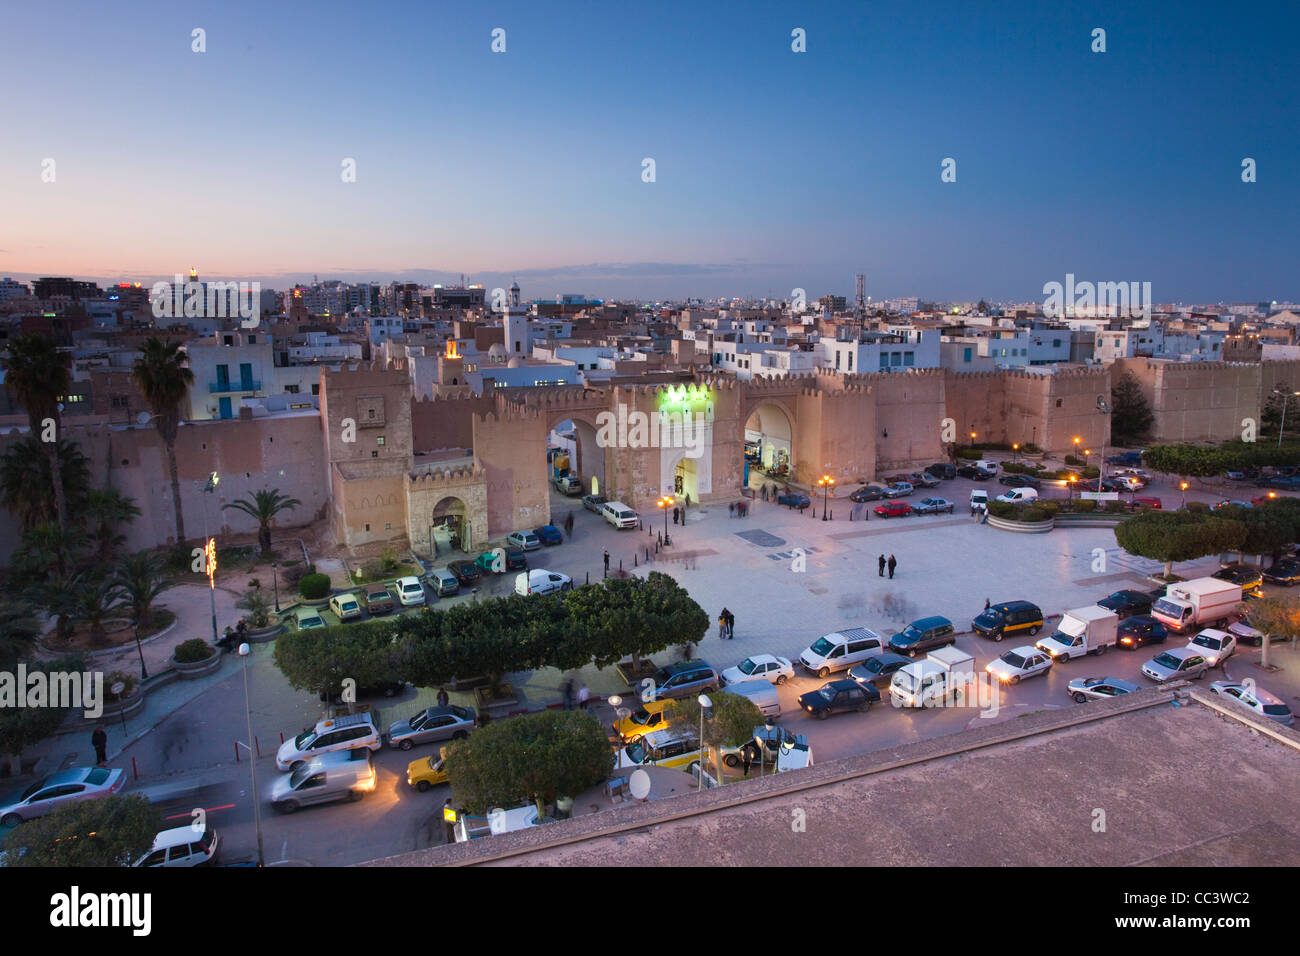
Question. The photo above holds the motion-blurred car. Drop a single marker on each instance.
(1020, 481)
(57, 790)
(1139, 631)
(933, 506)
(793, 499)
(974, 473)
(1084, 689)
(893, 509)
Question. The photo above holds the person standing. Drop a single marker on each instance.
(892, 564)
(881, 562)
(986, 604)
(568, 694)
(606, 560)
(731, 625)
(747, 757)
(584, 697)
(677, 514)
(100, 739)
(688, 500)
(443, 699)
(568, 524)
(722, 625)
(731, 509)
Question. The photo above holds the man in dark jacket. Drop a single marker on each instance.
(892, 564)
(881, 562)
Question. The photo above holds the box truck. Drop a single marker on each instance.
(1201, 602)
(1085, 630)
(932, 681)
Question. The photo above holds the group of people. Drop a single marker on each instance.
(726, 625)
(738, 509)
(584, 695)
(891, 564)
(769, 492)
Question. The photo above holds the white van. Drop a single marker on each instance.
(763, 694)
(840, 650)
(979, 501)
(541, 581)
(1018, 495)
(619, 514)
(985, 465)
(182, 846)
(338, 733)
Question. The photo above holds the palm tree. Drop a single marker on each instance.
(45, 550)
(93, 602)
(140, 580)
(107, 508)
(163, 378)
(19, 630)
(39, 378)
(264, 506)
(25, 479)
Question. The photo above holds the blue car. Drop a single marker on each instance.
(794, 499)
(548, 534)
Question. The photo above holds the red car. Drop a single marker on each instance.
(1136, 503)
(894, 509)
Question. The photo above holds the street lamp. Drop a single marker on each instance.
(210, 553)
(665, 502)
(825, 481)
(135, 626)
(1286, 400)
(275, 581)
(706, 706)
(1182, 485)
(1072, 479)
(245, 651)
(1015, 451)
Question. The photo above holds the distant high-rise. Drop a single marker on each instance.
(860, 293)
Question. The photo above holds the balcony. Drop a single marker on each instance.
(216, 388)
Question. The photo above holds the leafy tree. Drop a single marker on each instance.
(633, 617)
(1171, 536)
(19, 631)
(320, 659)
(534, 757)
(106, 510)
(44, 551)
(1131, 418)
(263, 507)
(38, 376)
(258, 606)
(732, 724)
(26, 471)
(21, 727)
(1275, 618)
(1282, 396)
(1267, 530)
(139, 580)
(112, 831)
(164, 380)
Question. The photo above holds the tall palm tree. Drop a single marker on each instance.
(45, 550)
(107, 508)
(25, 479)
(163, 378)
(39, 377)
(264, 506)
(93, 602)
(139, 579)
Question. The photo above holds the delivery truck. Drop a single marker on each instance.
(1085, 630)
(1202, 602)
(933, 681)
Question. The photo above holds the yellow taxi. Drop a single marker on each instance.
(426, 772)
(651, 717)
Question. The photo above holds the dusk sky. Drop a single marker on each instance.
(774, 169)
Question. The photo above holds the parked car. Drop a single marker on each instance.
(974, 473)
(1216, 646)
(443, 582)
(924, 634)
(1257, 699)
(308, 617)
(619, 515)
(426, 773)
(920, 479)
(900, 489)
(593, 502)
(772, 738)
(839, 650)
(661, 748)
(1117, 485)
(684, 679)
(550, 535)
(1248, 578)
(380, 601)
(1141, 630)
(528, 540)
(346, 606)
(979, 501)
(942, 470)
(1177, 663)
(1017, 664)
(59, 789)
(933, 506)
(837, 696)
(1125, 458)
(336, 733)
(893, 509)
(1127, 603)
(793, 499)
(1020, 481)
(1285, 572)
(183, 847)
(541, 581)
(777, 670)
(431, 725)
(1008, 618)
(878, 670)
(650, 717)
(1084, 689)
(467, 572)
(410, 591)
(1018, 496)
(1145, 502)
(868, 493)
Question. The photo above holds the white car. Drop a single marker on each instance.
(346, 606)
(1217, 646)
(1017, 495)
(1246, 634)
(1257, 699)
(1015, 665)
(410, 591)
(541, 581)
(778, 670)
(183, 846)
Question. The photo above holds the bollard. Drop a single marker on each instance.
(236, 751)
(634, 557)
(656, 547)
(620, 565)
(647, 554)
(257, 746)
(282, 738)
(588, 581)
(134, 771)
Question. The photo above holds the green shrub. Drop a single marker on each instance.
(1030, 448)
(1001, 509)
(1198, 507)
(313, 587)
(1050, 507)
(128, 680)
(1116, 507)
(1015, 467)
(1032, 514)
(969, 454)
(1072, 460)
(258, 606)
(1085, 506)
(191, 651)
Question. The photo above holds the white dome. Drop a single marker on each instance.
(515, 362)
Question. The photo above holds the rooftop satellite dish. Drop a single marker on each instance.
(143, 418)
(639, 784)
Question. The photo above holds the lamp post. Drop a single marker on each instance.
(135, 626)
(1103, 407)
(210, 553)
(1286, 400)
(1182, 486)
(1071, 480)
(665, 502)
(245, 651)
(1015, 451)
(705, 706)
(1033, 438)
(825, 481)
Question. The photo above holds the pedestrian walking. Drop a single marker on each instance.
(986, 604)
(688, 499)
(584, 697)
(100, 739)
(607, 559)
(568, 524)
(568, 694)
(443, 699)
(677, 514)
(448, 827)
(731, 510)
(746, 757)
(731, 625)
(882, 565)
(892, 564)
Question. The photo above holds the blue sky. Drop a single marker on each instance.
(773, 169)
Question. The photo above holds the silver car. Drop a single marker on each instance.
(57, 790)
(1084, 689)
(1257, 699)
(1177, 663)
(431, 725)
